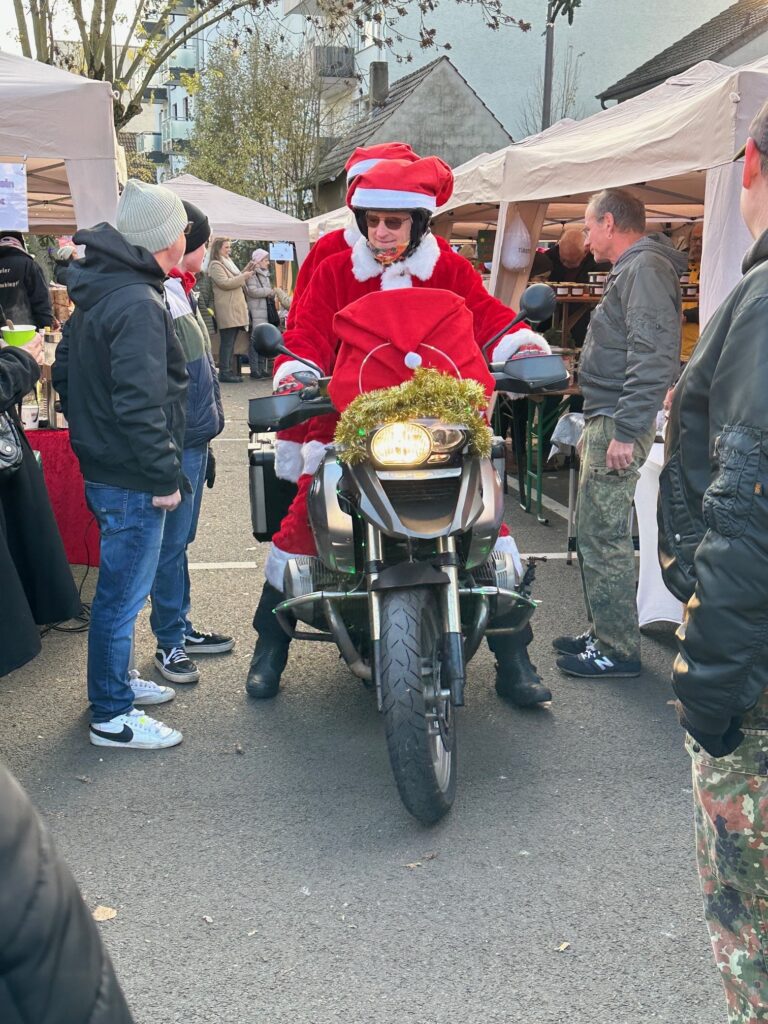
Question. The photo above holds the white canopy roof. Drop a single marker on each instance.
(62, 126)
(237, 217)
(673, 145)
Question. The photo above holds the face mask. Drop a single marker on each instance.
(390, 255)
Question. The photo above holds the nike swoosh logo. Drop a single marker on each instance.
(118, 737)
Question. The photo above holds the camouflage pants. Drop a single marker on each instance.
(603, 539)
(730, 797)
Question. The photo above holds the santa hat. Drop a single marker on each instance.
(422, 184)
(385, 337)
(366, 157)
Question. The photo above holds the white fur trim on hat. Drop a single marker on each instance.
(362, 166)
(312, 453)
(391, 199)
(511, 343)
(289, 367)
(288, 460)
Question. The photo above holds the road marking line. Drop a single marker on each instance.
(548, 503)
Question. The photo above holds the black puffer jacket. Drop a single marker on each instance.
(53, 967)
(713, 507)
(120, 369)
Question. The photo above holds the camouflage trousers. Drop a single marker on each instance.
(604, 542)
(730, 796)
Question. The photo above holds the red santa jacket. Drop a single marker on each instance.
(348, 276)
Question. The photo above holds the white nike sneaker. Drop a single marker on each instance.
(134, 729)
(147, 692)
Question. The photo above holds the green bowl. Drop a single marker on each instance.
(19, 335)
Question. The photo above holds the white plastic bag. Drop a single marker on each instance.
(516, 246)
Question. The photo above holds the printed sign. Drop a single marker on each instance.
(281, 251)
(14, 214)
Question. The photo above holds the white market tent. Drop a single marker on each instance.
(235, 216)
(61, 126)
(673, 145)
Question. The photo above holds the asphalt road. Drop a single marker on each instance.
(265, 870)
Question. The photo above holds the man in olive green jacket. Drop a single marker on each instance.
(630, 357)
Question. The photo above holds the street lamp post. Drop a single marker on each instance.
(549, 54)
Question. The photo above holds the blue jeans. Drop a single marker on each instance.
(131, 533)
(171, 600)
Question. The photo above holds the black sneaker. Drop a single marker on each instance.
(592, 664)
(573, 644)
(196, 642)
(176, 666)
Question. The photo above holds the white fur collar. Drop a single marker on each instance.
(421, 263)
(352, 234)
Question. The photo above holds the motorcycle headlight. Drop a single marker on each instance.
(401, 444)
(446, 438)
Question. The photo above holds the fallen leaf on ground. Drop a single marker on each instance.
(101, 913)
(429, 856)
(208, 919)
(82, 778)
(252, 933)
(563, 946)
(414, 864)
(238, 749)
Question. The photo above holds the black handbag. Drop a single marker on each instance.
(273, 316)
(11, 451)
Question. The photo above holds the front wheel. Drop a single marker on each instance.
(418, 718)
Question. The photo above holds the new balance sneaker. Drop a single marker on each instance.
(135, 731)
(573, 644)
(147, 692)
(593, 664)
(196, 642)
(176, 666)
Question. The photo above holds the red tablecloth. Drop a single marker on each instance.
(67, 493)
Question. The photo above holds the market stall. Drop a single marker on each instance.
(237, 217)
(60, 127)
(672, 146)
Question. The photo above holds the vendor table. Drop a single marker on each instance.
(654, 601)
(66, 491)
(572, 308)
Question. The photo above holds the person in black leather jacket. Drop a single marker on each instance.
(53, 966)
(713, 548)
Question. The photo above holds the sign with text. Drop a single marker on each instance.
(281, 251)
(14, 214)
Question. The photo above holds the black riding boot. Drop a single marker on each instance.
(271, 651)
(516, 676)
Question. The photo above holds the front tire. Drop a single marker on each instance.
(419, 724)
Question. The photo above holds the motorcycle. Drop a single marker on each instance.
(406, 581)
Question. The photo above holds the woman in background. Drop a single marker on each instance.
(229, 304)
(258, 290)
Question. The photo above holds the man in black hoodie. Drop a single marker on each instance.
(121, 375)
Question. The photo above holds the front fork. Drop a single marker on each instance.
(373, 566)
(453, 675)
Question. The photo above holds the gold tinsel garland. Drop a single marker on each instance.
(429, 394)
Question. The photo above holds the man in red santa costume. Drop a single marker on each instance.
(288, 459)
(393, 203)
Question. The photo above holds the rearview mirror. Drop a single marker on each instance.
(268, 340)
(538, 303)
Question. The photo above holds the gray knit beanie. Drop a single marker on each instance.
(149, 215)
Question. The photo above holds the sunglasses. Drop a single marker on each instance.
(373, 220)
